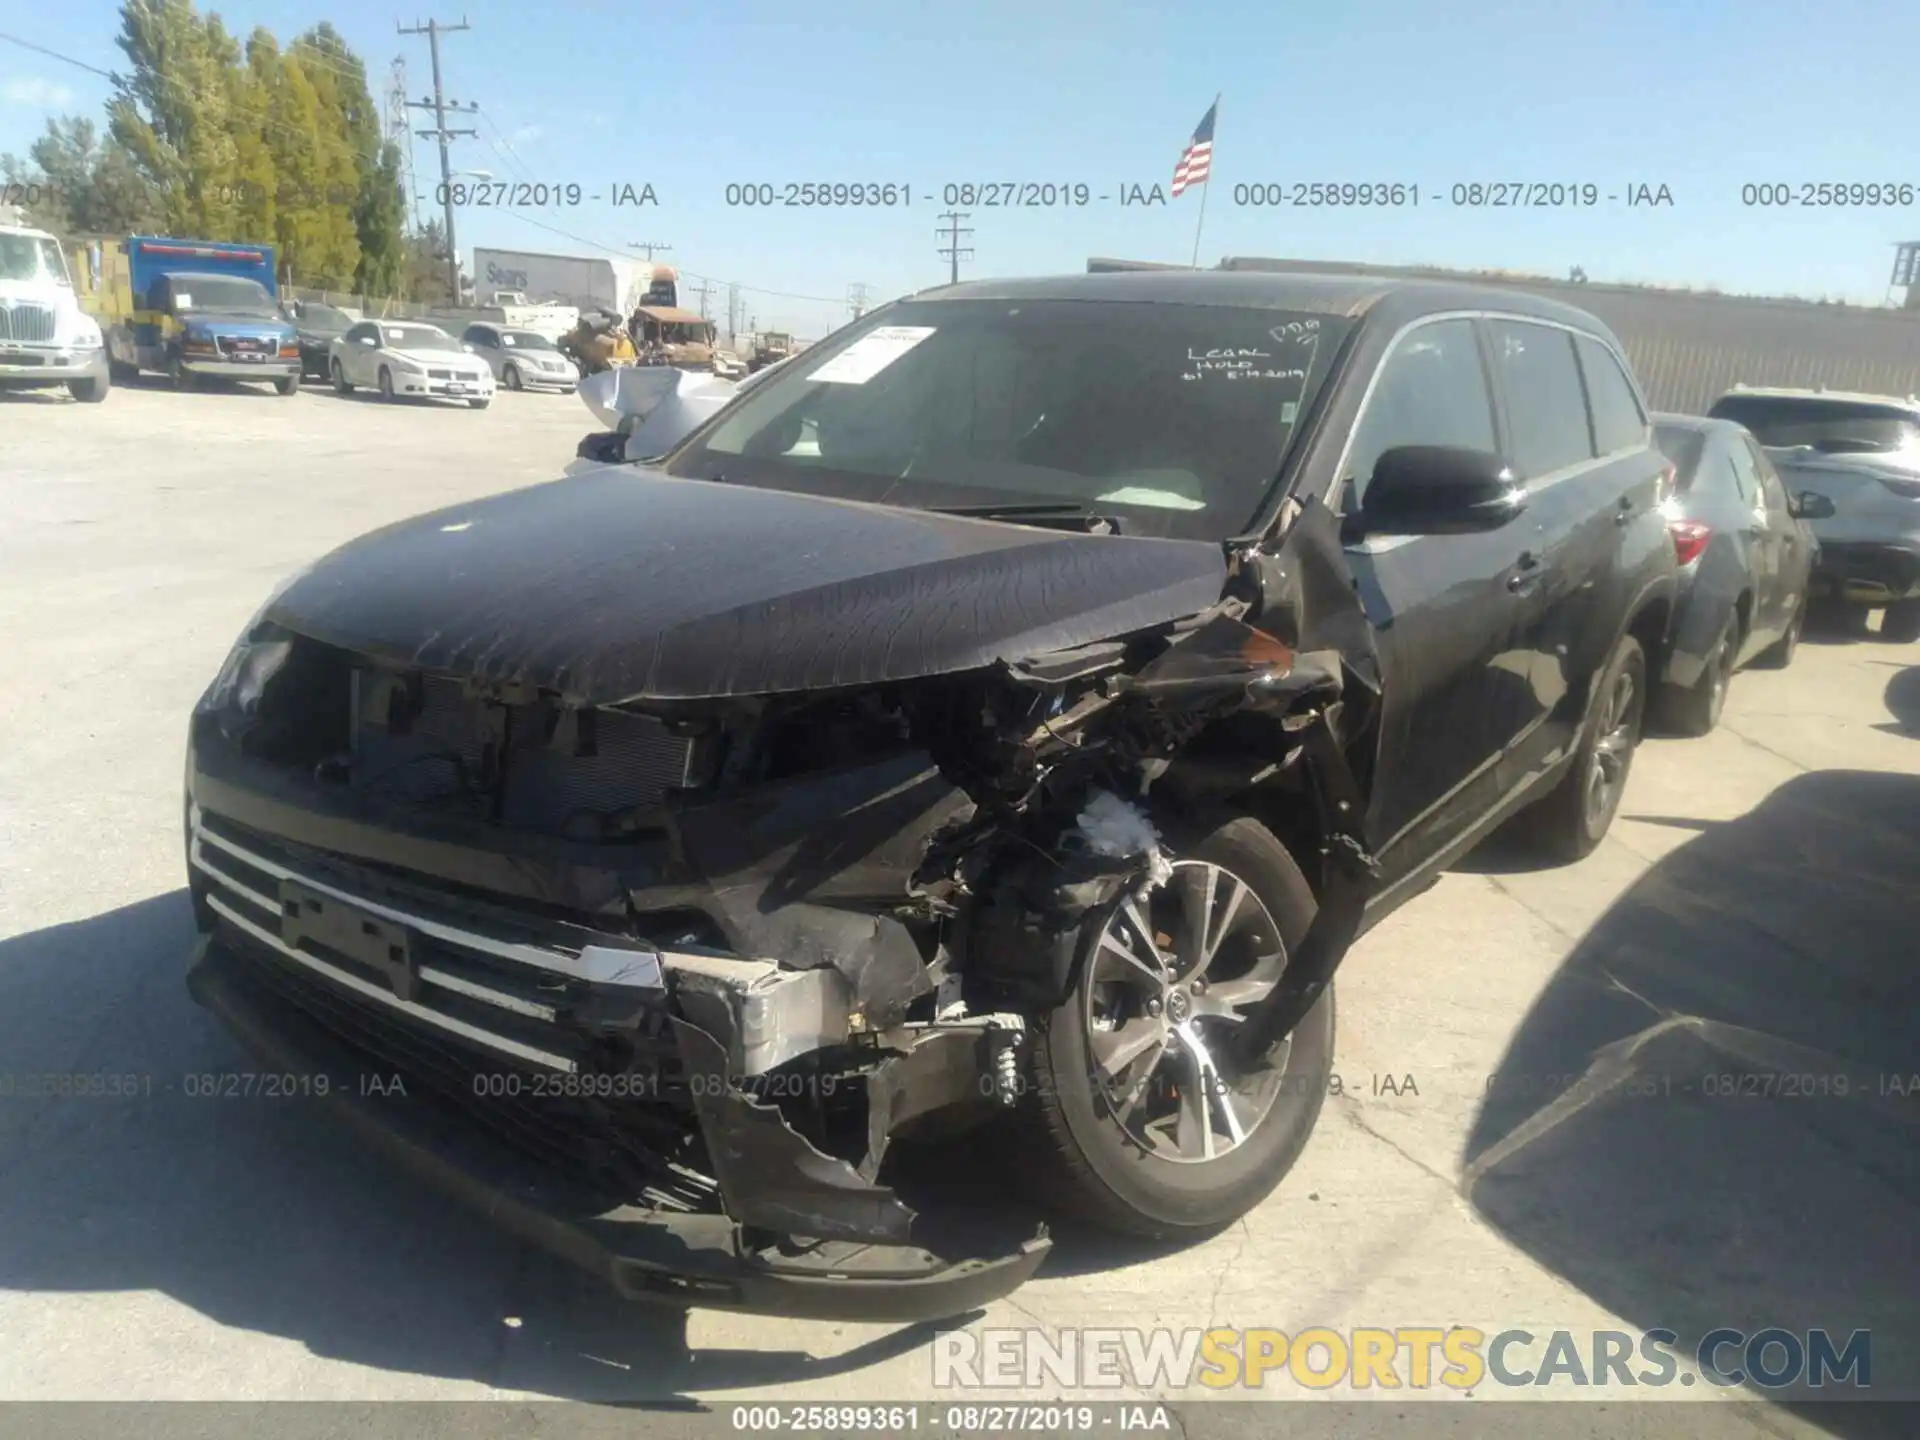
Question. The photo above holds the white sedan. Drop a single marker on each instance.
(521, 359)
(402, 358)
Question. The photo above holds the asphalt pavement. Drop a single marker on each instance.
(1548, 1116)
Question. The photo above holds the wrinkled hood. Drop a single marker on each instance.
(623, 583)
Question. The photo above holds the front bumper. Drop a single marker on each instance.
(425, 385)
(241, 369)
(50, 364)
(1866, 573)
(650, 1064)
(683, 1259)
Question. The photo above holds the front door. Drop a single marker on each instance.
(1440, 605)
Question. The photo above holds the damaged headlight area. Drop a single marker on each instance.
(739, 952)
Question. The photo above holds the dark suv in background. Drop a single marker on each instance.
(1010, 709)
(1861, 452)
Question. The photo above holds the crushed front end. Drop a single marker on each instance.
(664, 982)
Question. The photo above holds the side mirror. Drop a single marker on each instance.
(1811, 505)
(1440, 490)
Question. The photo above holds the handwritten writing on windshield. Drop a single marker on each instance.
(1239, 363)
(1246, 362)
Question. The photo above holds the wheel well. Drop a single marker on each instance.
(1743, 607)
(1649, 627)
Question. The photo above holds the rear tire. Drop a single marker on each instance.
(121, 372)
(1900, 622)
(1102, 1161)
(1571, 820)
(1696, 710)
(1779, 655)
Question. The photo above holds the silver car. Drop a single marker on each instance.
(1862, 452)
(522, 359)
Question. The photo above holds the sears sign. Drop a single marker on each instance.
(506, 279)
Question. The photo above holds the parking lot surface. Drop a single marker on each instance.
(1752, 911)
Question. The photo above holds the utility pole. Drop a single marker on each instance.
(733, 310)
(703, 289)
(647, 246)
(857, 298)
(951, 251)
(433, 30)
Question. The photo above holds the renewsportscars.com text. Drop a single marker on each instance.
(1395, 1358)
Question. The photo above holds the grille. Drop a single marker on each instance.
(439, 374)
(26, 322)
(483, 1030)
(244, 344)
(428, 743)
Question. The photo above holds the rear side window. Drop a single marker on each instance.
(1618, 421)
(1546, 404)
(1746, 477)
(1432, 390)
(1683, 447)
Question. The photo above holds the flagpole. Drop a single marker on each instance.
(1201, 223)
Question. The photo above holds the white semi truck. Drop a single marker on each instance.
(585, 282)
(46, 339)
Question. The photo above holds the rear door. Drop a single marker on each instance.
(1790, 550)
(1582, 441)
(1761, 534)
(1440, 605)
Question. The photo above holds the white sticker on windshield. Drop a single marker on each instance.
(182, 300)
(871, 354)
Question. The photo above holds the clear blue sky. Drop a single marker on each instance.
(1699, 95)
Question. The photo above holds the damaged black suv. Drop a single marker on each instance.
(1008, 714)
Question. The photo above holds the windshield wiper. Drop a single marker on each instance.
(1062, 514)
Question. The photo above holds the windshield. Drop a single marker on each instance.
(416, 337)
(31, 257)
(220, 292)
(524, 340)
(1682, 445)
(1833, 427)
(323, 317)
(1172, 418)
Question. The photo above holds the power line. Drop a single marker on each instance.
(56, 55)
(952, 251)
(433, 29)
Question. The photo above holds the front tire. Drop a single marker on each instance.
(88, 392)
(386, 385)
(512, 378)
(341, 384)
(287, 386)
(178, 373)
(1571, 820)
(1138, 1118)
(1900, 622)
(478, 404)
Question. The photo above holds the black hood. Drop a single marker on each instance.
(626, 584)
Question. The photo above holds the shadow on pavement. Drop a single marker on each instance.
(1903, 701)
(1711, 1116)
(259, 1215)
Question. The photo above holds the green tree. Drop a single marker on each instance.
(256, 164)
(379, 209)
(380, 216)
(174, 114)
(79, 184)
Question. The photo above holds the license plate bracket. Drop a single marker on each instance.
(379, 945)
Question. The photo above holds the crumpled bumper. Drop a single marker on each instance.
(703, 1259)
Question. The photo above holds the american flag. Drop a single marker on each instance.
(1196, 161)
